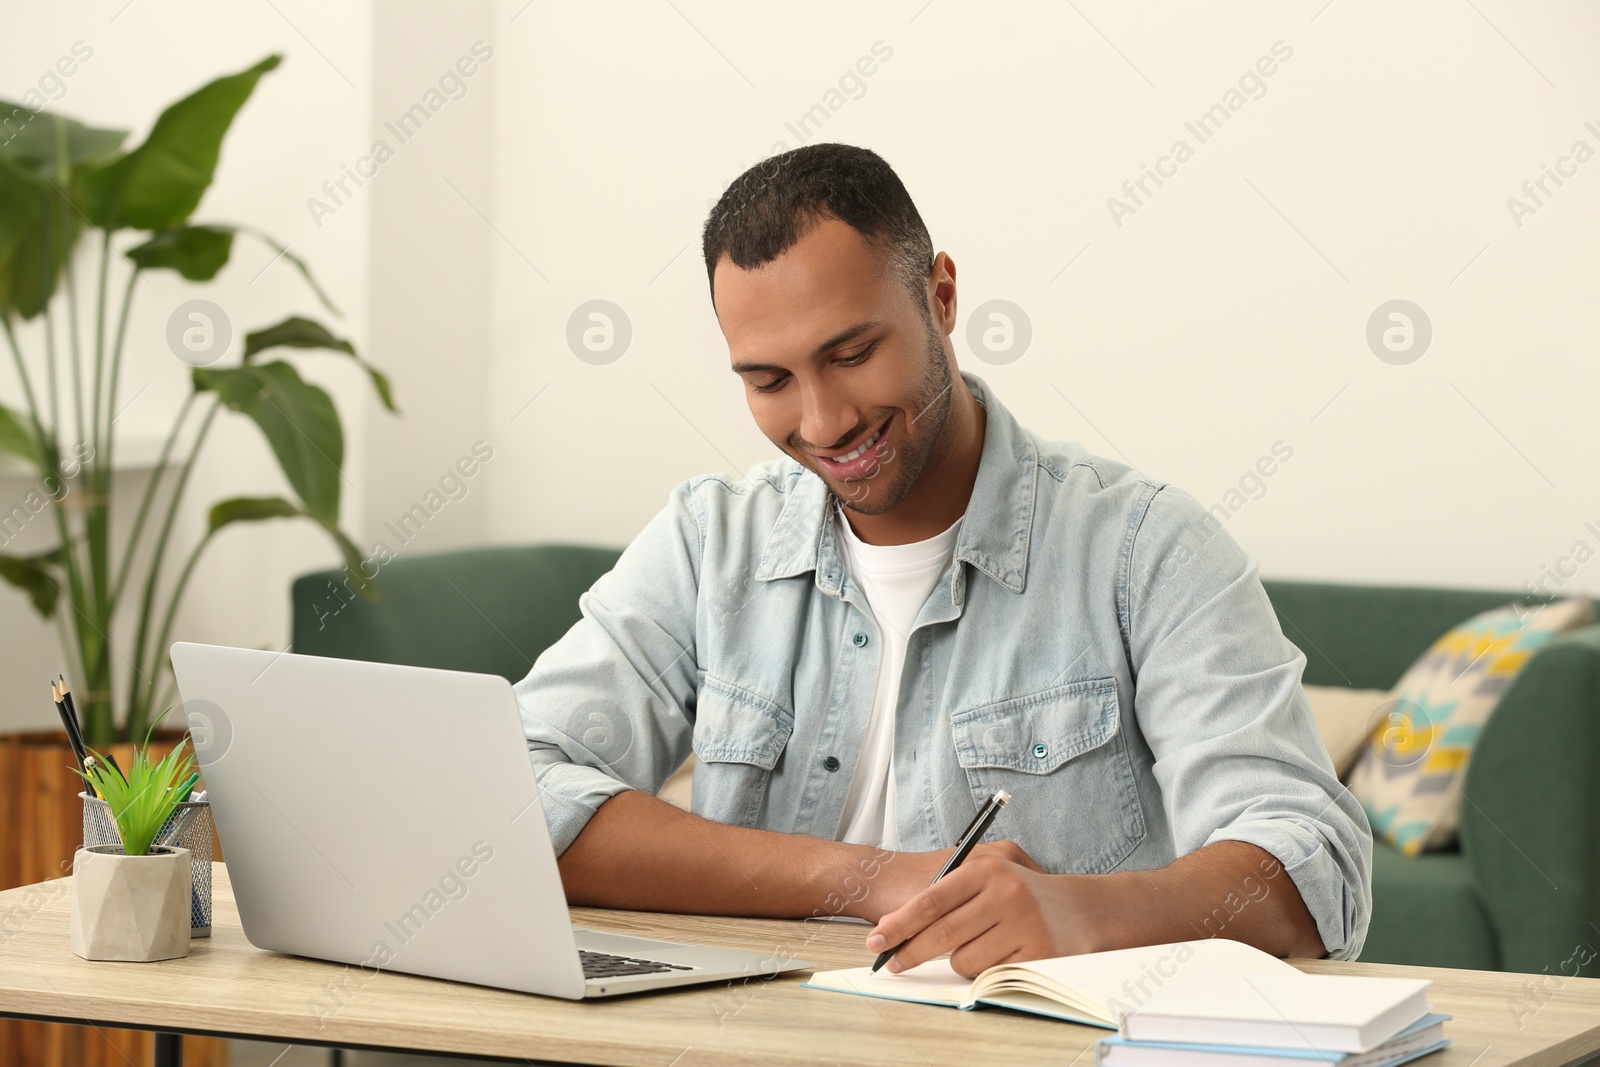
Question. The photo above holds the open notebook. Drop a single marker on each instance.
(1096, 988)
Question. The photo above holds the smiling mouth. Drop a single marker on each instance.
(861, 460)
(860, 449)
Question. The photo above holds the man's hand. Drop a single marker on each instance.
(1000, 907)
(997, 907)
(897, 877)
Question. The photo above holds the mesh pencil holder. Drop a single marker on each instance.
(99, 828)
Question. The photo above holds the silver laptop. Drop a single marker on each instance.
(388, 817)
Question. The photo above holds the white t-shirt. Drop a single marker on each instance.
(896, 580)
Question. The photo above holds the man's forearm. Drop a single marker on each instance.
(1229, 889)
(640, 852)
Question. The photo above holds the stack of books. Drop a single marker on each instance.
(1275, 1020)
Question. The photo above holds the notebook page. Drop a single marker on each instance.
(933, 982)
(1110, 984)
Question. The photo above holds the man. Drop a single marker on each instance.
(921, 604)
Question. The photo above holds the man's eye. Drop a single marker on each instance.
(851, 361)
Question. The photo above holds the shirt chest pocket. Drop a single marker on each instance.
(739, 737)
(1061, 755)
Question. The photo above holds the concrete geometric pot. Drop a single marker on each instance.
(130, 908)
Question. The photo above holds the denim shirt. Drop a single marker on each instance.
(1099, 646)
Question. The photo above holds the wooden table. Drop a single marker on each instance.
(228, 988)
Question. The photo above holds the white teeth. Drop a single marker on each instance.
(848, 456)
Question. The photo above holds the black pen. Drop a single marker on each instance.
(964, 846)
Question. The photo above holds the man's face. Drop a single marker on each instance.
(841, 369)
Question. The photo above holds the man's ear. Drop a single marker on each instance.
(942, 292)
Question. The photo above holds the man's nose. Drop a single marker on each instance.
(827, 418)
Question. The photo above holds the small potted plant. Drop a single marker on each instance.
(130, 901)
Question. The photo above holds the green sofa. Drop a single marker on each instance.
(1521, 894)
(489, 610)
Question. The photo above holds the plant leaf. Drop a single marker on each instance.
(159, 184)
(196, 252)
(36, 241)
(296, 332)
(299, 421)
(41, 156)
(279, 249)
(21, 200)
(252, 509)
(37, 140)
(28, 573)
(142, 801)
(17, 438)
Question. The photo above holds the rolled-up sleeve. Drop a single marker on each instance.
(1219, 700)
(609, 706)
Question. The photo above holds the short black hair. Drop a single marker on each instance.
(768, 207)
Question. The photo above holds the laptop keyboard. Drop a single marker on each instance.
(606, 965)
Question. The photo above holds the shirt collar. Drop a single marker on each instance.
(994, 538)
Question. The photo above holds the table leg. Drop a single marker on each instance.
(169, 1050)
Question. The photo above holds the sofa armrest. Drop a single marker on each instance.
(1530, 810)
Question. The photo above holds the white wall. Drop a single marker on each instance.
(304, 119)
(1227, 313)
(1221, 317)
(429, 261)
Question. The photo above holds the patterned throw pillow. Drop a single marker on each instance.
(1409, 775)
(1345, 718)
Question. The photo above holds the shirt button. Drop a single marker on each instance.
(1040, 751)
(859, 640)
(831, 763)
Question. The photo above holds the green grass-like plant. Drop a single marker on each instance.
(142, 801)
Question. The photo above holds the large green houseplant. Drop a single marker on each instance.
(69, 192)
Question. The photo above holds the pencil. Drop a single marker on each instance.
(69, 721)
(66, 695)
